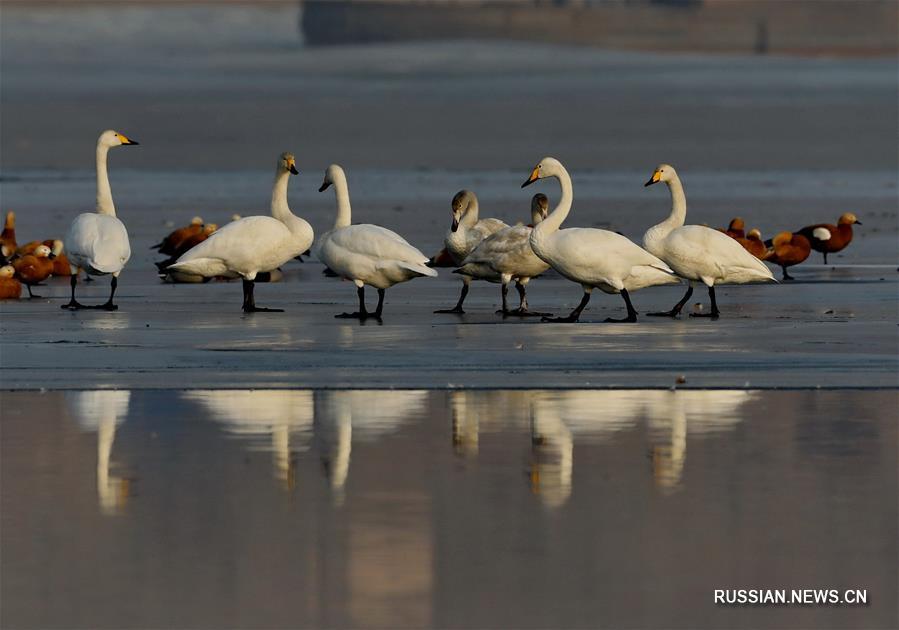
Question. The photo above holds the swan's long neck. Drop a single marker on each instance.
(678, 206)
(280, 209)
(344, 213)
(104, 192)
(560, 212)
(470, 218)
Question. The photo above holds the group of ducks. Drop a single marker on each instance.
(788, 249)
(28, 264)
(480, 249)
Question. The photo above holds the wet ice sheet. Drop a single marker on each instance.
(465, 509)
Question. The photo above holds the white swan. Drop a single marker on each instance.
(253, 245)
(506, 255)
(366, 254)
(593, 258)
(696, 252)
(97, 241)
(465, 234)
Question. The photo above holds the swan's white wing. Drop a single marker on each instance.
(249, 244)
(98, 242)
(508, 251)
(486, 227)
(376, 242)
(701, 253)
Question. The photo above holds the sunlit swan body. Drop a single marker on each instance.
(697, 253)
(506, 255)
(364, 253)
(593, 258)
(97, 241)
(465, 234)
(253, 245)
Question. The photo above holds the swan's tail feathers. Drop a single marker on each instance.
(206, 267)
(418, 269)
(651, 275)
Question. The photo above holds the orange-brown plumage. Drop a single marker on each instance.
(8, 237)
(442, 259)
(735, 229)
(32, 269)
(787, 250)
(10, 288)
(753, 244)
(828, 238)
(170, 244)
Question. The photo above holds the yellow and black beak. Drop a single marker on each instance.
(324, 186)
(535, 175)
(293, 170)
(125, 140)
(654, 179)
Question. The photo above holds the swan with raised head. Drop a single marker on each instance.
(98, 241)
(464, 235)
(365, 253)
(506, 255)
(595, 259)
(698, 253)
(253, 245)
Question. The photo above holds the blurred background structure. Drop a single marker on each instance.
(851, 27)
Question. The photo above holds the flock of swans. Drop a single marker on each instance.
(479, 249)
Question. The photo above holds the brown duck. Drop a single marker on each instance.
(169, 245)
(8, 237)
(787, 250)
(753, 244)
(34, 268)
(735, 229)
(10, 288)
(827, 238)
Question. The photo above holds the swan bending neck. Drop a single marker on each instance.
(554, 221)
(280, 209)
(678, 204)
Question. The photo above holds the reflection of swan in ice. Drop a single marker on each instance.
(344, 415)
(102, 411)
(672, 415)
(560, 418)
(278, 421)
(466, 423)
(552, 454)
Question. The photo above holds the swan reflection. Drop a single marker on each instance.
(275, 421)
(103, 411)
(342, 416)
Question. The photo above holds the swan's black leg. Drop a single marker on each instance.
(522, 310)
(504, 291)
(575, 314)
(380, 307)
(786, 275)
(73, 303)
(631, 313)
(674, 312)
(109, 306)
(361, 313)
(457, 309)
(714, 314)
(249, 300)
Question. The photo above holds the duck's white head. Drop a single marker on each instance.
(110, 138)
(42, 251)
(539, 208)
(547, 167)
(332, 174)
(209, 228)
(7, 271)
(197, 220)
(462, 200)
(286, 162)
(663, 173)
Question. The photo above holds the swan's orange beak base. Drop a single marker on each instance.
(653, 180)
(535, 175)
